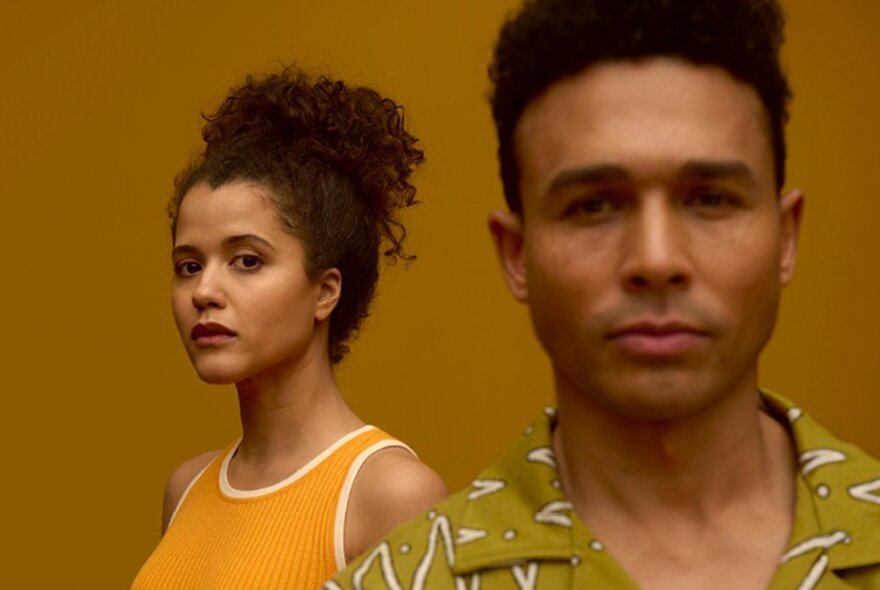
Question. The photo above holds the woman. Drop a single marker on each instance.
(276, 235)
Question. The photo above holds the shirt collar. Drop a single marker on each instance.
(534, 517)
(838, 500)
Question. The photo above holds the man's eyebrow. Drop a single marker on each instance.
(593, 174)
(710, 169)
(699, 169)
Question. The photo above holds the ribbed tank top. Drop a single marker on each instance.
(287, 535)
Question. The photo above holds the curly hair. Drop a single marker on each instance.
(548, 40)
(336, 160)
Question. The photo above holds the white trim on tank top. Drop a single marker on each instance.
(345, 494)
(228, 490)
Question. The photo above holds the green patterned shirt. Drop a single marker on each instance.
(514, 528)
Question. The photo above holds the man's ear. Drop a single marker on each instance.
(330, 289)
(791, 209)
(506, 229)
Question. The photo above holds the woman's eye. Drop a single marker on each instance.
(248, 262)
(187, 268)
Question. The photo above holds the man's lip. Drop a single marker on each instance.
(658, 339)
(208, 330)
(655, 328)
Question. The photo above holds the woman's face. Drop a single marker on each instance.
(242, 300)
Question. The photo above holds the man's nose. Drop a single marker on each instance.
(656, 248)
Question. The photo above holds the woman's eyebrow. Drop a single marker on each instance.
(236, 239)
(183, 249)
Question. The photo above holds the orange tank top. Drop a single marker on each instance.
(287, 535)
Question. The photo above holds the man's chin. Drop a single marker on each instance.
(656, 403)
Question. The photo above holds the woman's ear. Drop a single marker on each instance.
(330, 289)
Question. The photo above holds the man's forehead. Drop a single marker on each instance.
(657, 108)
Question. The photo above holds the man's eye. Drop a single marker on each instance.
(710, 199)
(187, 268)
(593, 205)
(248, 262)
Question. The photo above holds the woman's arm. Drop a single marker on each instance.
(179, 482)
(392, 487)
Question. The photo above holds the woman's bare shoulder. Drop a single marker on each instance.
(179, 481)
(392, 487)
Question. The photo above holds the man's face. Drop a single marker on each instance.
(652, 245)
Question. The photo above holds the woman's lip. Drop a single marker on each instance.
(207, 334)
(209, 340)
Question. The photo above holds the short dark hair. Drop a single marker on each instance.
(336, 161)
(548, 40)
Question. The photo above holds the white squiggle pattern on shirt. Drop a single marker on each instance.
(466, 535)
(544, 455)
(484, 487)
(815, 574)
(473, 585)
(815, 458)
(866, 491)
(552, 513)
(824, 542)
(526, 578)
(382, 553)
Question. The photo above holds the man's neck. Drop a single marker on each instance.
(674, 488)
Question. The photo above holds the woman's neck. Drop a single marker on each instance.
(291, 413)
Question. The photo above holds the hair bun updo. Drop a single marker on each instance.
(337, 160)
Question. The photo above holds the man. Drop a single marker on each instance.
(643, 159)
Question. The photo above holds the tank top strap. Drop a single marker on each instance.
(368, 442)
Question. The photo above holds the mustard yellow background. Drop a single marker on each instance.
(98, 110)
